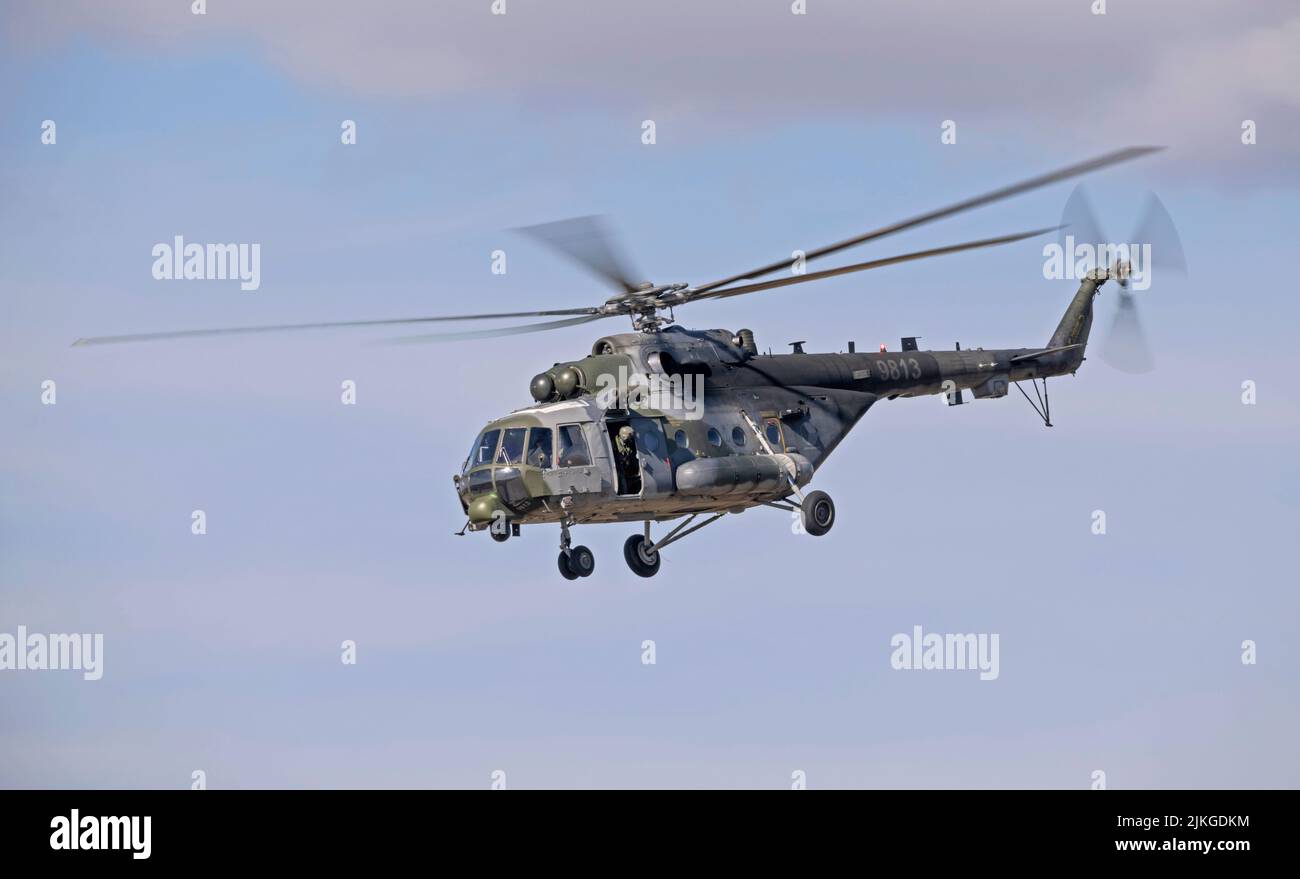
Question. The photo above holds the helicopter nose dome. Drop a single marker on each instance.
(542, 387)
(482, 508)
(566, 381)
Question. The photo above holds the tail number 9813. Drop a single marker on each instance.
(895, 370)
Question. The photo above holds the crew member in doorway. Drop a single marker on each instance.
(629, 468)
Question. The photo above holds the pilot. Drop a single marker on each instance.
(628, 467)
(537, 455)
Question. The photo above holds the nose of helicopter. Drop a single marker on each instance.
(481, 509)
(491, 493)
(479, 497)
(502, 477)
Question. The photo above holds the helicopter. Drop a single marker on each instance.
(666, 424)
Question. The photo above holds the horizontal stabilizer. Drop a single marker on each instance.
(1021, 358)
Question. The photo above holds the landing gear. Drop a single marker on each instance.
(581, 561)
(641, 556)
(574, 562)
(642, 553)
(818, 513)
(1043, 407)
(816, 508)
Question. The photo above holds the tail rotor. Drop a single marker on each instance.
(1153, 248)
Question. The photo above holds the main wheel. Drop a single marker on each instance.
(818, 512)
(565, 571)
(642, 563)
(500, 536)
(581, 561)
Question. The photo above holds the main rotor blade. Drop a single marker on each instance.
(494, 333)
(1066, 173)
(276, 328)
(873, 264)
(588, 242)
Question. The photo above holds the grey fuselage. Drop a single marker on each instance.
(708, 453)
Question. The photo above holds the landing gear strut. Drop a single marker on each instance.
(1042, 407)
(642, 553)
(816, 511)
(574, 562)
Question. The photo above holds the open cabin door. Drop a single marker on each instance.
(653, 468)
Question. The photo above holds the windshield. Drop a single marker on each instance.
(512, 446)
(483, 449)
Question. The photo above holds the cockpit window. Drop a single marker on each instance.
(573, 447)
(512, 446)
(539, 447)
(485, 448)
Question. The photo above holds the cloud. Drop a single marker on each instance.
(1182, 73)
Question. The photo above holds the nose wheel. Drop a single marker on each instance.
(574, 561)
(577, 562)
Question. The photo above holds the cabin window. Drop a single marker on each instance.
(715, 438)
(512, 446)
(773, 435)
(480, 482)
(680, 438)
(539, 447)
(572, 450)
(649, 439)
(485, 448)
(738, 436)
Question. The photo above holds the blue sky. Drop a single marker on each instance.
(328, 522)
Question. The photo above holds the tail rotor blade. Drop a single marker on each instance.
(1126, 347)
(1079, 221)
(1157, 229)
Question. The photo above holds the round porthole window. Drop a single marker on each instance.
(773, 434)
(680, 438)
(715, 438)
(738, 436)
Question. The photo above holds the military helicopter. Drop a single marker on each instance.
(666, 423)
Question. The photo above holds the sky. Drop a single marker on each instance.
(1120, 652)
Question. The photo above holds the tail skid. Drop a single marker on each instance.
(1065, 349)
